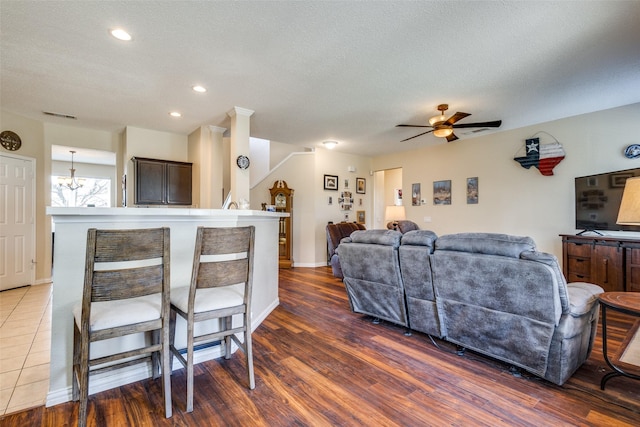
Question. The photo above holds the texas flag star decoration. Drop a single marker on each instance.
(545, 157)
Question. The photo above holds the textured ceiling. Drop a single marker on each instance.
(311, 71)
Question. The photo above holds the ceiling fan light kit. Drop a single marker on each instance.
(443, 127)
(435, 120)
(443, 132)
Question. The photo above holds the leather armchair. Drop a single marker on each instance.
(335, 233)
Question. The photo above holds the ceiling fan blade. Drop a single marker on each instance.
(413, 126)
(420, 134)
(452, 137)
(457, 116)
(493, 124)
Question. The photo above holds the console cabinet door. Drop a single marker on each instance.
(633, 269)
(606, 267)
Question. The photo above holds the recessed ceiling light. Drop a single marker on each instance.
(121, 34)
(330, 144)
(199, 89)
(175, 114)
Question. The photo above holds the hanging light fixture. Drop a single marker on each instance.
(71, 182)
(441, 130)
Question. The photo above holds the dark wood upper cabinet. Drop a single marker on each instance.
(162, 182)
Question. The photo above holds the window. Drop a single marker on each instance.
(94, 192)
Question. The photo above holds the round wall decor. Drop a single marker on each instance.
(632, 151)
(10, 140)
(242, 162)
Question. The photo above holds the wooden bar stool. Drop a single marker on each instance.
(221, 284)
(126, 291)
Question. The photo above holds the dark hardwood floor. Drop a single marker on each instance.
(318, 364)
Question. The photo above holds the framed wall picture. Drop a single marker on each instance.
(415, 195)
(442, 192)
(360, 217)
(361, 185)
(472, 191)
(331, 182)
(397, 196)
(346, 200)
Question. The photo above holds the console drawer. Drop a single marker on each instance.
(572, 277)
(580, 266)
(583, 250)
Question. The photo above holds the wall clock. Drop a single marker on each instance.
(10, 140)
(242, 162)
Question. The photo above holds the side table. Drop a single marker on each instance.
(627, 303)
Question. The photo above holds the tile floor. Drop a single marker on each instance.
(25, 343)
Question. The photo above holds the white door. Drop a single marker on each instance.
(17, 221)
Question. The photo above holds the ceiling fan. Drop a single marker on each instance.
(443, 127)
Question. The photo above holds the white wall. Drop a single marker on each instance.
(304, 173)
(151, 144)
(297, 172)
(334, 163)
(512, 199)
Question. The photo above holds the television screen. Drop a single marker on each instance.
(598, 200)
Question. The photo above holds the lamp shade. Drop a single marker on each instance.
(629, 213)
(394, 213)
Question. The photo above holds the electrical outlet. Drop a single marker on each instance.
(427, 219)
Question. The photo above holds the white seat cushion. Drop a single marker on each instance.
(111, 314)
(208, 299)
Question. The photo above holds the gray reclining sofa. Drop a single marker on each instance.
(491, 293)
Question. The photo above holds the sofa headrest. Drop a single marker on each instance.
(486, 243)
(377, 237)
(419, 238)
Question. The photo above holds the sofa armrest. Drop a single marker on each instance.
(551, 261)
(582, 297)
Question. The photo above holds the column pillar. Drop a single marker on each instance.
(215, 169)
(239, 146)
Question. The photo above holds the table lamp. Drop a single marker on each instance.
(394, 213)
(629, 213)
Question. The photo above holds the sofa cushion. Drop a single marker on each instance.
(377, 237)
(486, 243)
(419, 238)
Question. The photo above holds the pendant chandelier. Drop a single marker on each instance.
(71, 182)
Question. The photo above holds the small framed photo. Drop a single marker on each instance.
(415, 194)
(331, 182)
(472, 191)
(361, 185)
(360, 217)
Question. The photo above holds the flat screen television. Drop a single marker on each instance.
(598, 200)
